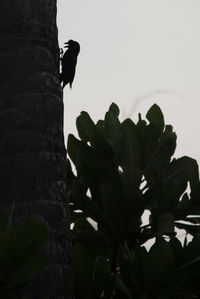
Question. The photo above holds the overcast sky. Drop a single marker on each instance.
(136, 53)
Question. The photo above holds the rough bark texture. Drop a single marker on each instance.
(32, 152)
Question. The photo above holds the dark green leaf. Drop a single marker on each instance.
(22, 273)
(160, 265)
(8, 248)
(110, 286)
(165, 224)
(113, 130)
(101, 268)
(86, 127)
(111, 212)
(195, 220)
(94, 242)
(155, 117)
(178, 251)
(191, 229)
(101, 274)
(83, 271)
(130, 158)
(121, 288)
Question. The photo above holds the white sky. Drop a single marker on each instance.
(136, 53)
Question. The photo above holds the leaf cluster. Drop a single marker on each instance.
(19, 264)
(122, 169)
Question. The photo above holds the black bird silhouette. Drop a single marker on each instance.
(68, 62)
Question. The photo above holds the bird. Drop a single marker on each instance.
(68, 62)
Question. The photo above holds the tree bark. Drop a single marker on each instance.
(32, 151)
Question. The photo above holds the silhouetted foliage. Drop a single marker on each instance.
(19, 264)
(121, 170)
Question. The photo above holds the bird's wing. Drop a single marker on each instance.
(69, 62)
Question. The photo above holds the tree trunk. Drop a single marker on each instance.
(32, 151)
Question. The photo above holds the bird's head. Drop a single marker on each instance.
(73, 45)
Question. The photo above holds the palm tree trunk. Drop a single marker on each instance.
(32, 151)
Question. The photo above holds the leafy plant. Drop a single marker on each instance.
(121, 170)
(19, 263)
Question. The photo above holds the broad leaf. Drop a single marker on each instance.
(83, 272)
(155, 117)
